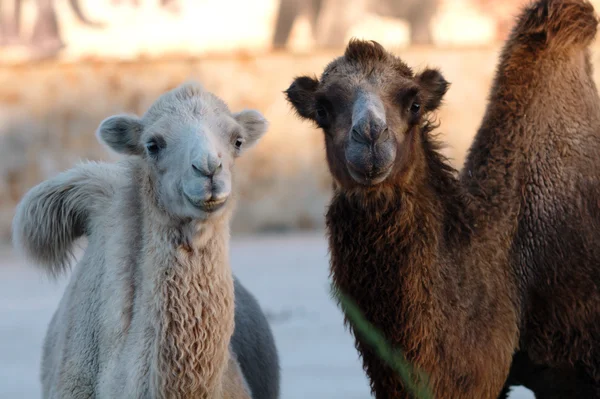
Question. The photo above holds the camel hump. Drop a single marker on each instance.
(557, 23)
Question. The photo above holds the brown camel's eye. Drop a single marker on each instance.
(321, 114)
(415, 107)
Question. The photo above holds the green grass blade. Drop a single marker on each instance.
(414, 380)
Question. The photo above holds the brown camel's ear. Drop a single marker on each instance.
(301, 94)
(122, 134)
(433, 86)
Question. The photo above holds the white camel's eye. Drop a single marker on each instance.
(238, 143)
(152, 147)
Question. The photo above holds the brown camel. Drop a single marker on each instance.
(544, 114)
(400, 231)
(331, 19)
(46, 37)
(460, 273)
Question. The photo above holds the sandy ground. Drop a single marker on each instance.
(289, 276)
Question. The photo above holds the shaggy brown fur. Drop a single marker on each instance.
(544, 115)
(434, 262)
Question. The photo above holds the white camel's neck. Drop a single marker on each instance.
(189, 291)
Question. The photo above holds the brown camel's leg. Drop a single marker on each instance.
(81, 16)
(418, 14)
(46, 32)
(420, 19)
(314, 12)
(10, 22)
(548, 382)
(134, 3)
(287, 14)
(171, 5)
(335, 20)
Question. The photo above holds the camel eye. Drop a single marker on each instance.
(415, 107)
(152, 147)
(238, 143)
(321, 114)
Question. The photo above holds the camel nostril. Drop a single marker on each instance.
(378, 134)
(203, 170)
(383, 134)
(207, 169)
(370, 135)
(196, 168)
(357, 136)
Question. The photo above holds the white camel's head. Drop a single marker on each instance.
(189, 140)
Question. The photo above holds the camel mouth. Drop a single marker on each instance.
(208, 206)
(368, 179)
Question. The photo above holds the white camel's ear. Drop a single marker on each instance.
(122, 134)
(253, 124)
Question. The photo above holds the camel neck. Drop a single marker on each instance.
(381, 243)
(194, 311)
(390, 254)
(188, 289)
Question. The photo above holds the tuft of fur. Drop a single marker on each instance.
(556, 24)
(53, 215)
(364, 52)
(369, 55)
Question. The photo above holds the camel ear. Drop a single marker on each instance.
(301, 94)
(122, 134)
(434, 87)
(254, 126)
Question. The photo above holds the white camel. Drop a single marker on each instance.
(149, 310)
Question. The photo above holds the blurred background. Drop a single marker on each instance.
(67, 64)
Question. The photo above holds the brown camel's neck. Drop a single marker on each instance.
(390, 254)
(189, 291)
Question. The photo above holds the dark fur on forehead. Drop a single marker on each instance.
(369, 54)
(365, 51)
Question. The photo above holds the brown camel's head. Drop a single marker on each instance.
(371, 106)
